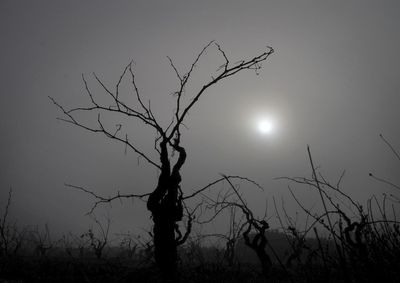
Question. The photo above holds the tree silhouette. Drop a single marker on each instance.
(166, 202)
(252, 228)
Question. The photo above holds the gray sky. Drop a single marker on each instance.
(333, 83)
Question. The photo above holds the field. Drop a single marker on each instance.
(343, 241)
(61, 263)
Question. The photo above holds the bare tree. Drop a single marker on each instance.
(166, 201)
(100, 240)
(11, 238)
(42, 240)
(129, 245)
(365, 240)
(253, 229)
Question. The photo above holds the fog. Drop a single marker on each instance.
(332, 83)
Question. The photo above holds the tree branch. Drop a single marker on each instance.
(102, 200)
(198, 191)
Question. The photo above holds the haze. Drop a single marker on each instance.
(333, 83)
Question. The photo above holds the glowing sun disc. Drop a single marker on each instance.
(265, 127)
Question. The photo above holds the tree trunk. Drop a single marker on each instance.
(258, 244)
(165, 250)
(165, 204)
(166, 214)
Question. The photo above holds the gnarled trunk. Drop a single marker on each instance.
(165, 204)
(258, 245)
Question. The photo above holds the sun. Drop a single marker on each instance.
(265, 126)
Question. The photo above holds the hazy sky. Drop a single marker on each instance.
(333, 83)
